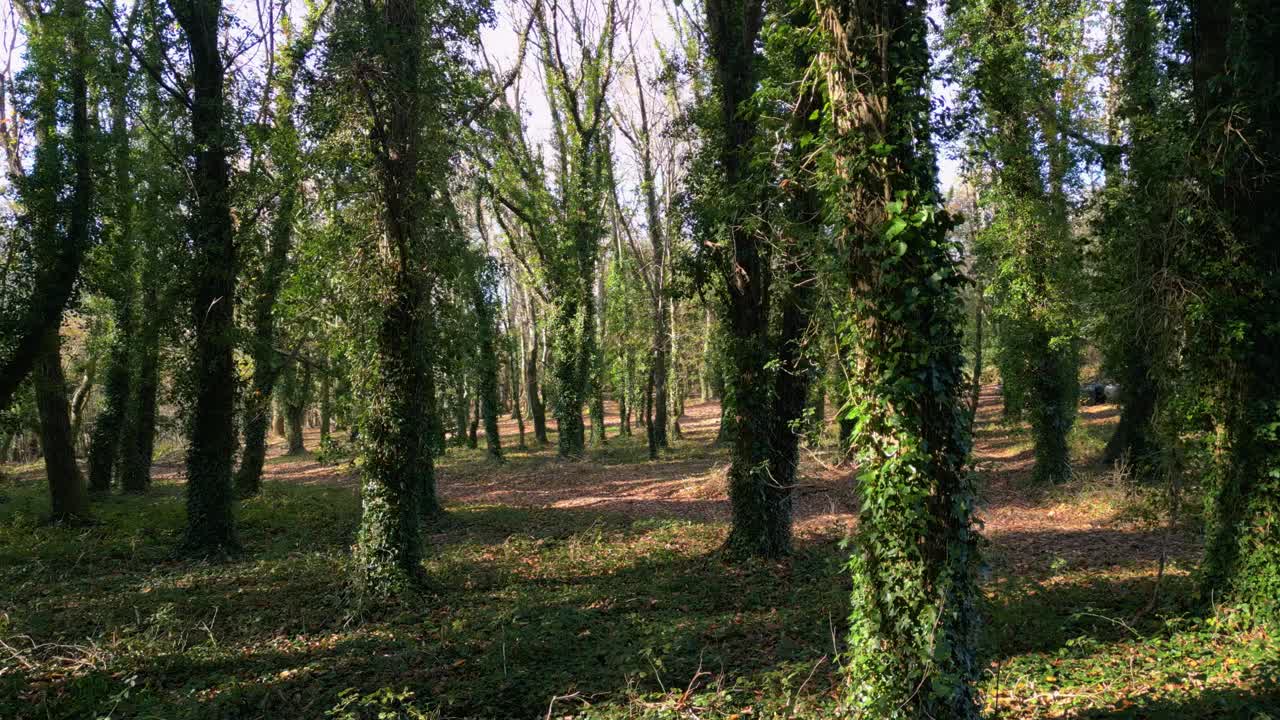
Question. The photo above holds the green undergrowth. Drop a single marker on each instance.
(536, 613)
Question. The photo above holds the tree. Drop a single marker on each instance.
(59, 233)
(1023, 137)
(155, 226)
(912, 639)
(284, 152)
(61, 251)
(408, 85)
(119, 279)
(564, 219)
(757, 241)
(1233, 323)
(654, 272)
(211, 436)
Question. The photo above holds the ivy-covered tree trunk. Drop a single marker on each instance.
(295, 394)
(284, 150)
(598, 434)
(104, 444)
(398, 473)
(1135, 245)
(1234, 80)
(532, 387)
(626, 398)
(326, 405)
(277, 416)
(393, 443)
(66, 485)
(675, 388)
(137, 435)
(461, 409)
(795, 371)
(912, 638)
(211, 436)
(484, 297)
(473, 437)
(1030, 232)
(104, 447)
(156, 289)
(266, 359)
(571, 332)
(761, 508)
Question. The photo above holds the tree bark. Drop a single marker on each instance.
(211, 435)
(66, 485)
(104, 445)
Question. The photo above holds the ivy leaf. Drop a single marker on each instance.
(895, 229)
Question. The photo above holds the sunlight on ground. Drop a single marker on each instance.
(594, 590)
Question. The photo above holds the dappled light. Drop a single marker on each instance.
(639, 360)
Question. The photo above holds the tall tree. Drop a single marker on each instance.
(1237, 108)
(60, 247)
(1023, 138)
(639, 132)
(156, 225)
(1137, 209)
(284, 153)
(121, 277)
(59, 232)
(756, 240)
(563, 215)
(211, 436)
(400, 62)
(912, 639)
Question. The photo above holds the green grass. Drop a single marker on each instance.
(524, 605)
(533, 613)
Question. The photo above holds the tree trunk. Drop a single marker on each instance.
(484, 297)
(211, 439)
(975, 388)
(573, 333)
(675, 389)
(80, 398)
(625, 396)
(598, 435)
(137, 437)
(913, 622)
(295, 396)
(537, 408)
(461, 409)
(277, 416)
(66, 485)
(473, 431)
(326, 406)
(1234, 79)
(294, 417)
(104, 444)
(517, 371)
(704, 374)
(648, 416)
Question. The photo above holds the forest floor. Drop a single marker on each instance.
(595, 590)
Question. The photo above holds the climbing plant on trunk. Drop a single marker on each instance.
(912, 637)
(211, 380)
